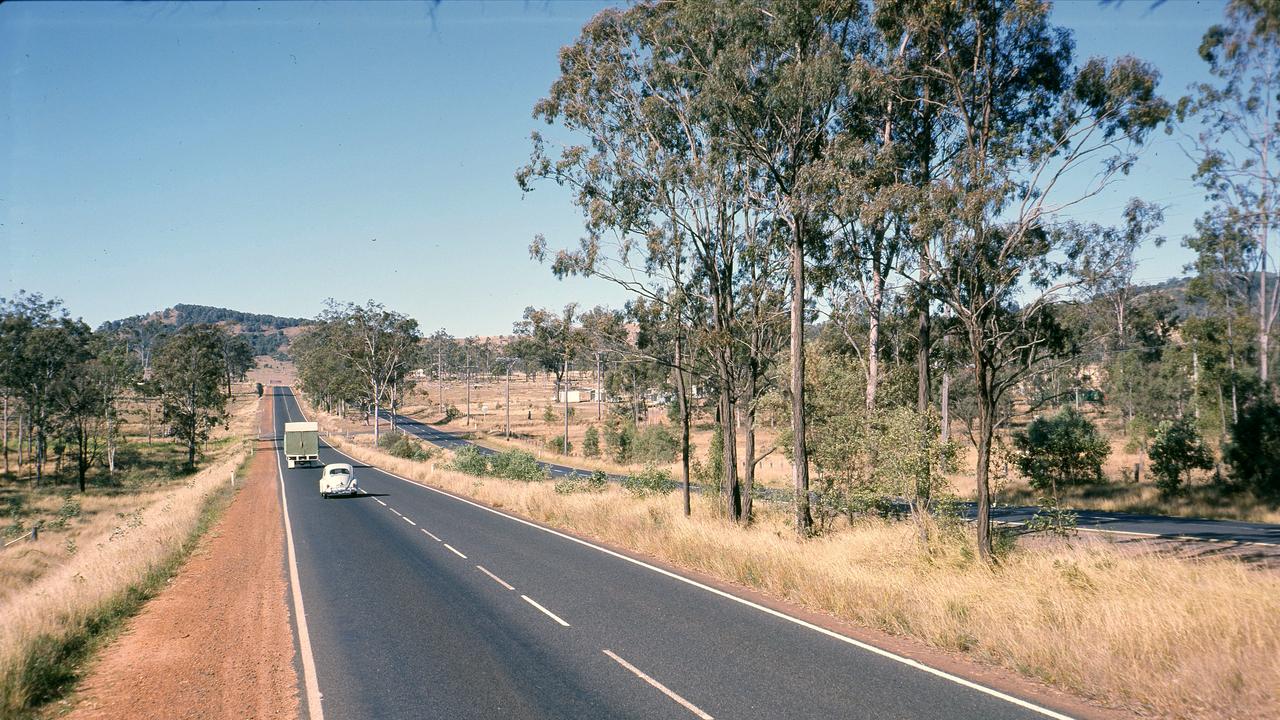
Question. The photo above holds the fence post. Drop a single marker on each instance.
(35, 533)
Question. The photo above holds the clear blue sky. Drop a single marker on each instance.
(266, 156)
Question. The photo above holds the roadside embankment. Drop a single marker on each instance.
(52, 626)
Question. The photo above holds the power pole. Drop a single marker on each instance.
(599, 396)
(565, 447)
(507, 402)
(468, 389)
(440, 378)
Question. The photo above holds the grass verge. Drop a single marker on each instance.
(54, 626)
(1137, 631)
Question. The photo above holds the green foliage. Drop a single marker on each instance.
(708, 475)
(471, 461)
(558, 443)
(655, 444)
(1062, 450)
(620, 440)
(649, 481)
(591, 442)
(1254, 450)
(189, 371)
(403, 446)
(451, 413)
(1176, 450)
(593, 483)
(516, 465)
(549, 415)
(1051, 518)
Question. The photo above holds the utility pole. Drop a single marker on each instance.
(507, 402)
(440, 378)
(599, 396)
(565, 447)
(468, 388)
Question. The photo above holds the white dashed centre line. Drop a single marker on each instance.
(662, 688)
(548, 613)
(409, 521)
(496, 579)
(381, 503)
(428, 534)
(396, 512)
(455, 551)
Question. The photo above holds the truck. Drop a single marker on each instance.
(302, 443)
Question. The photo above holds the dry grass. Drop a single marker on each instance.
(56, 594)
(1158, 636)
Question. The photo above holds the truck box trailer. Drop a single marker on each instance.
(302, 443)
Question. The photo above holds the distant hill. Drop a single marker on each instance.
(268, 334)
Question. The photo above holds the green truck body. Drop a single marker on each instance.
(302, 443)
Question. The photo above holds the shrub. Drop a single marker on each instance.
(549, 415)
(591, 442)
(1254, 450)
(1065, 449)
(557, 444)
(516, 465)
(650, 481)
(1176, 450)
(595, 482)
(403, 446)
(451, 413)
(655, 444)
(621, 441)
(471, 461)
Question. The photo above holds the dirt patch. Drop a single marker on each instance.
(217, 642)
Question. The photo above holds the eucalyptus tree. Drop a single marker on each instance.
(1239, 144)
(326, 375)
(237, 356)
(39, 343)
(1020, 118)
(665, 205)
(380, 345)
(188, 370)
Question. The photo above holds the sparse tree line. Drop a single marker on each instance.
(857, 215)
(64, 387)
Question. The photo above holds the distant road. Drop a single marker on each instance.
(1120, 523)
(413, 603)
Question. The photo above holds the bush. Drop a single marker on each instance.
(471, 461)
(516, 465)
(650, 481)
(1176, 450)
(1065, 449)
(595, 482)
(620, 440)
(451, 413)
(403, 446)
(549, 415)
(1254, 450)
(591, 442)
(557, 444)
(655, 444)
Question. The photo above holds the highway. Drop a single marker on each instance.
(1119, 523)
(412, 603)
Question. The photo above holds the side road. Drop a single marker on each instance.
(217, 642)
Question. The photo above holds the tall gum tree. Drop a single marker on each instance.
(1020, 119)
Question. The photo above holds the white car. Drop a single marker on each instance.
(338, 479)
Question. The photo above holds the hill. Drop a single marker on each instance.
(268, 334)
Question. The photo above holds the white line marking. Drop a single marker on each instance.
(549, 614)
(663, 688)
(496, 579)
(396, 512)
(455, 551)
(428, 532)
(314, 711)
(381, 503)
(743, 601)
(409, 521)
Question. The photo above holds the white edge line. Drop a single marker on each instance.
(663, 688)
(496, 579)
(455, 551)
(314, 711)
(430, 535)
(756, 606)
(547, 612)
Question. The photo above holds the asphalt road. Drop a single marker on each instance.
(417, 604)
(1129, 524)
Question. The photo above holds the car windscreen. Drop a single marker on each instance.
(339, 471)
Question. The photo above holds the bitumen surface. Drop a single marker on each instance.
(419, 604)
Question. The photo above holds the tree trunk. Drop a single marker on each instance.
(6, 435)
(729, 483)
(373, 399)
(922, 352)
(800, 462)
(749, 445)
(684, 421)
(875, 302)
(945, 403)
(986, 425)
